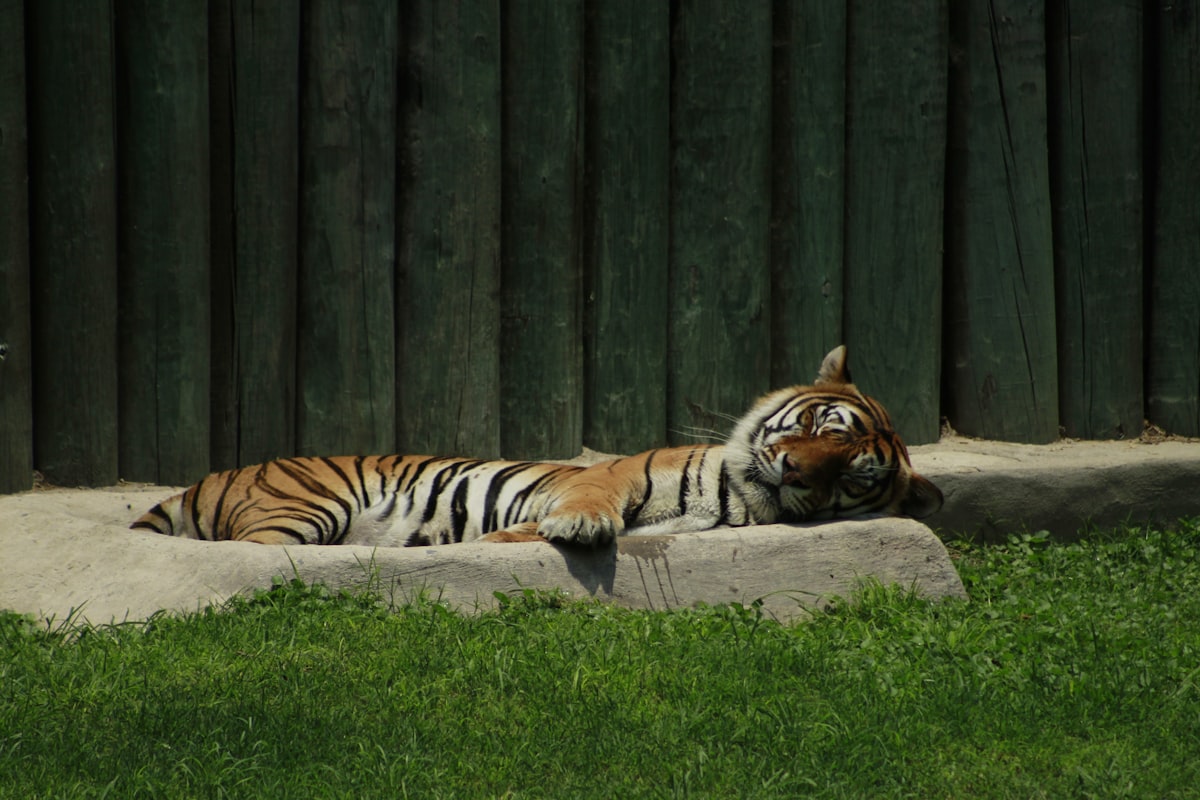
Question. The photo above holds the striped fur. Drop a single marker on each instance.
(805, 453)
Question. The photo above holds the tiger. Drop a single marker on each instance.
(804, 453)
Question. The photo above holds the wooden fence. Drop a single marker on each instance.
(231, 231)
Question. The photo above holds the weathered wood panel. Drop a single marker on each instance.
(895, 159)
(73, 212)
(1095, 71)
(1173, 346)
(1001, 372)
(255, 108)
(626, 251)
(541, 359)
(808, 187)
(16, 377)
(694, 201)
(162, 71)
(346, 363)
(720, 214)
(448, 300)
(223, 388)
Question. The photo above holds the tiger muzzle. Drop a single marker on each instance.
(819, 469)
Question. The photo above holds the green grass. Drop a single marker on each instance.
(1072, 672)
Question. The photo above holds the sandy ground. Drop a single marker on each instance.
(69, 553)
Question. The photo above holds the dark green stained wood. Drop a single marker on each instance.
(626, 251)
(16, 377)
(162, 57)
(73, 213)
(541, 357)
(255, 109)
(448, 278)
(223, 402)
(808, 187)
(895, 160)
(346, 368)
(1001, 369)
(1095, 78)
(1173, 347)
(720, 214)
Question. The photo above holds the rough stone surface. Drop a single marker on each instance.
(69, 552)
(993, 489)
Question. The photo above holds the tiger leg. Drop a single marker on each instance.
(272, 537)
(525, 532)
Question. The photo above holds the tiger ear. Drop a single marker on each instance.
(833, 368)
(921, 499)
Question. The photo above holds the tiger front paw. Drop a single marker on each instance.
(581, 527)
(525, 532)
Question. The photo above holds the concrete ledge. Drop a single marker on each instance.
(68, 552)
(993, 489)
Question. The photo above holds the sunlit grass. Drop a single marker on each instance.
(1072, 672)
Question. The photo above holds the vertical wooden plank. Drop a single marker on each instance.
(16, 378)
(346, 369)
(1095, 75)
(1173, 349)
(162, 69)
(720, 213)
(541, 361)
(1001, 368)
(808, 186)
(895, 159)
(222, 372)
(626, 225)
(73, 240)
(256, 207)
(448, 279)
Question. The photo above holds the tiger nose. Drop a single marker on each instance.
(793, 475)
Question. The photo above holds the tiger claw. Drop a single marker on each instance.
(580, 528)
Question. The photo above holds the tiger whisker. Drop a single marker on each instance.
(703, 434)
(699, 429)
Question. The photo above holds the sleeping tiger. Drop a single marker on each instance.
(805, 453)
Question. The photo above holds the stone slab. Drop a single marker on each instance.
(993, 489)
(69, 555)
(69, 552)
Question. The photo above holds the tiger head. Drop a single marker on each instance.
(828, 450)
